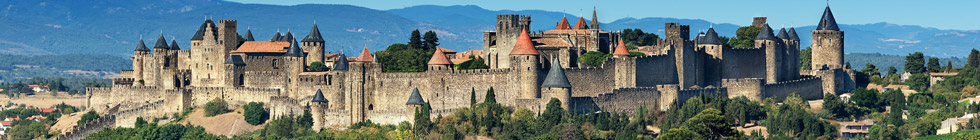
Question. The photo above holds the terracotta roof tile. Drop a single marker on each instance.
(439, 58)
(524, 45)
(262, 46)
(581, 24)
(365, 56)
(621, 49)
(563, 24)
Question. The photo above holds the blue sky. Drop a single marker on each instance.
(944, 14)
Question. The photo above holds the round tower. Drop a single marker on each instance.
(524, 59)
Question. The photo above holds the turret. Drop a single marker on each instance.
(774, 54)
(313, 43)
(828, 43)
(439, 62)
(556, 85)
(524, 60)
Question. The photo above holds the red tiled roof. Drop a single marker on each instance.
(621, 49)
(439, 58)
(524, 45)
(581, 24)
(262, 46)
(365, 56)
(563, 24)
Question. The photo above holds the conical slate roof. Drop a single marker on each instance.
(782, 34)
(318, 97)
(366, 56)
(439, 58)
(141, 46)
(204, 26)
(415, 98)
(524, 46)
(173, 45)
(621, 49)
(556, 77)
(341, 63)
(161, 43)
(235, 60)
(792, 34)
(580, 24)
(765, 33)
(563, 24)
(827, 22)
(294, 50)
(314, 35)
(248, 35)
(276, 37)
(711, 37)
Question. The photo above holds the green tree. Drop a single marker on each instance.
(745, 37)
(915, 63)
(316, 66)
(431, 40)
(933, 65)
(415, 41)
(805, 55)
(88, 116)
(711, 124)
(490, 97)
(594, 58)
(215, 107)
(254, 113)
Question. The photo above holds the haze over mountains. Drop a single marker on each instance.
(35, 27)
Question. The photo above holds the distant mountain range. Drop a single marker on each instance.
(40, 27)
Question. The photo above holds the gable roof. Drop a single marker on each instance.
(556, 77)
(827, 22)
(792, 34)
(415, 98)
(294, 50)
(711, 37)
(248, 35)
(621, 49)
(439, 58)
(318, 97)
(341, 64)
(580, 24)
(563, 24)
(141, 46)
(314, 35)
(204, 26)
(161, 43)
(173, 45)
(235, 60)
(765, 33)
(524, 46)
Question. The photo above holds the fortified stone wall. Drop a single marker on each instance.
(809, 88)
(741, 63)
(656, 70)
(627, 100)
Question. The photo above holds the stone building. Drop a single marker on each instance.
(527, 70)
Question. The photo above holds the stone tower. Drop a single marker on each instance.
(439, 62)
(313, 44)
(526, 67)
(139, 54)
(295, 63)
(676, 37)
(319, 104)
(828, 43)
(500, 43)
(774, 54)
(556, 85)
